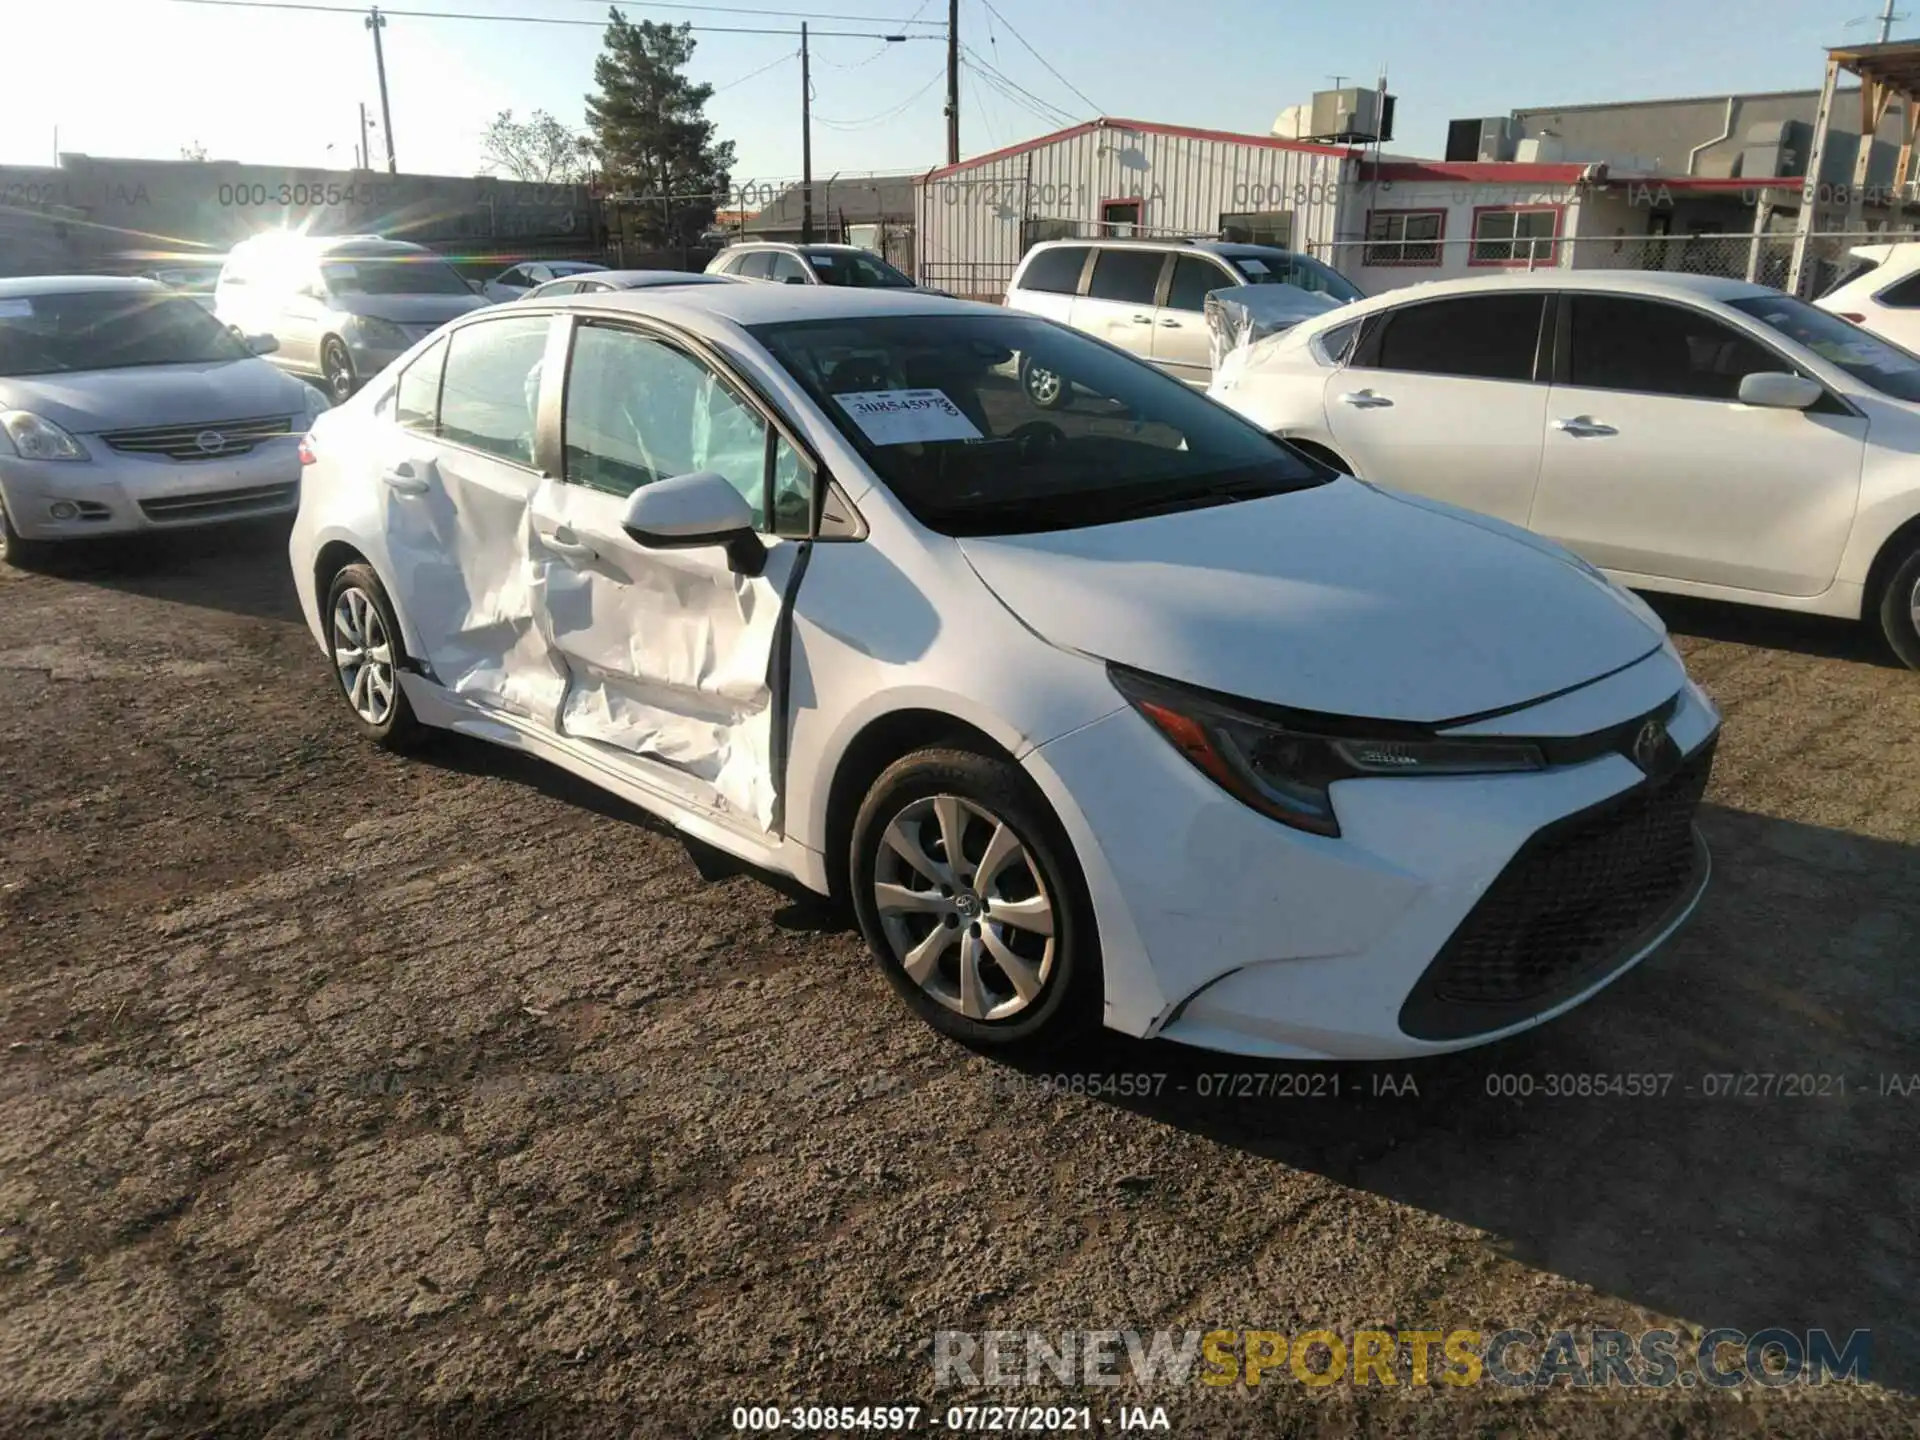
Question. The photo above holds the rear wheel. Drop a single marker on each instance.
(364, 639)
(968, 894)
(19, 553)
(1044, 388)
(1900, 609)
(337, 366)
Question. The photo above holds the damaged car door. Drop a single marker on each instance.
(457, 474)
(668, 652)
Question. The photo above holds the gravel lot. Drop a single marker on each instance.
(346, 1094)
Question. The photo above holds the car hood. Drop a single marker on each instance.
(84, 401)
(409, 309)
(1343, 599)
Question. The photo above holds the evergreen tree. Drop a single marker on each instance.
(651, 131)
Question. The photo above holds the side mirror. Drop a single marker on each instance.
(1777, 390)
(261, 344)
(689, 512)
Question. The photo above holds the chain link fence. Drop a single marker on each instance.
(1765, 258)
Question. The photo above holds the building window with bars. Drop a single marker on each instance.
(1033, 230)
(1404, 237)
(1259, 227)
(1515, 235)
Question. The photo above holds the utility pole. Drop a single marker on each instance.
(376, 22)
(366, 141)
(953, 82)
(1886, 22)
(806, 143)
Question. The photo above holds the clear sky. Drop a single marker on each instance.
(147, 77)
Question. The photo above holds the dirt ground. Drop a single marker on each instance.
(345, 1094)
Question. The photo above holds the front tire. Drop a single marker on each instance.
(1900, 609)
(19, 553)
(968, 893)
(368, 656)
(336, 365)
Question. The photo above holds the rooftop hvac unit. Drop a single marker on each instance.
(1775, 149)
(1351, 117)
(1492, 138)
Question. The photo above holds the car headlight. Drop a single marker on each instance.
(37, 439)
(383, 333)
(1283, 765)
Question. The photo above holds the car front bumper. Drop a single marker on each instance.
(116, 494)
(1227, 930)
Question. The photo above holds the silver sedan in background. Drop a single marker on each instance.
(603, 280)
(125, 406)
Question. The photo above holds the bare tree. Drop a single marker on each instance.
(195, 151)
(539, 149)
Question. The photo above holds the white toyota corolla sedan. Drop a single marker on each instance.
(1114, 711)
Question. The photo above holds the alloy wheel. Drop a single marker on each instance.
(338, 366)
(363, 656)
(1043, 386)
(964, 907)
(1913, 607)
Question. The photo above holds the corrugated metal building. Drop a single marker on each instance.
(1123, 177)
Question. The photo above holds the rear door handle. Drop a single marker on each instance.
(1365, 400)
(1171, 324)
(1143, 319)
(569, 549)
(1584, 425)
(404, 479)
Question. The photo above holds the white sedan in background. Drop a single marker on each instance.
(1681, 432)
(515, 281)
(1113, 711)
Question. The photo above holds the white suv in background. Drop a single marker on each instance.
(1149, 296)
(1879, 290)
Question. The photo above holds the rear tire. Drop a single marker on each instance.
(336, 364)
(21, 554)
(368, 657)
(1900, 609)
(999, 949)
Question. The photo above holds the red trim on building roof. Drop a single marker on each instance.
(1270, 142)
(1482, 171)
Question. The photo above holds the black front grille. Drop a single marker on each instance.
(222, 504)
(214, 440)
(1573, 902)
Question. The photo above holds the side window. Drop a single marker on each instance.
(1336, 345)
(516, 276)
(1621, 343)
(786, 269)
(491, 388)
(1482, 337)
(1126, 275)
(756, 265)
(1901, 295)
(792, 491)
(1193, 280)
(1057, 272)
(537, 275)
(639, 410)
(417, 397)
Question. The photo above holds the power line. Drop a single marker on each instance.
(1016, 92)
(755, 10)
(1006, 93)
(751, 74)
(534, 19)
(887, 114)
(1041, 58)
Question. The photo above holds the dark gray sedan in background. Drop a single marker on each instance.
(125, 406)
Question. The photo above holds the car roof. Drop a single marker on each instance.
(335, 244)
(743, 304)
(1664, 284)
(25, 287)
(795, 245)
(639, 279)
(568, 267)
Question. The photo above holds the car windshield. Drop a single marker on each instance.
(997, 424)
(109, 330)
(393, 276)
(1866, 357)
(1300, 270)
(855, 268)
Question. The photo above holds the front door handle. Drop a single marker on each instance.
(1365, 400)
(569, 549)
(1581, 426)
(1143, 319)
(404, 479)
(1171, 324)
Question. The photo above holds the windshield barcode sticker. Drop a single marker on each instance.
(904, 417)
(16, 309)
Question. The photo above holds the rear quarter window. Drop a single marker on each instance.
(1055, 272)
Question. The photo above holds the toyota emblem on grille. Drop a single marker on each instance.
(1650, 746)
(210, 442)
